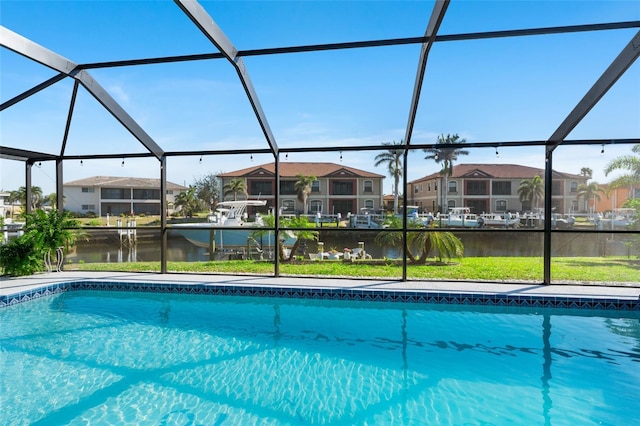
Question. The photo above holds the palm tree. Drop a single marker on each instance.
(188, 201)
(446, 244)
(625, 162)
(586, 172)
(21, 195)
(590, 191)
(300, 234)
(393, 159)
(234, 187)
(531, 190)
(303, 187)
(446, 156)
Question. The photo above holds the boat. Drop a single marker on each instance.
(501, 220)
(617, 219)
(215, 232)
(459, 217)
(536, 220)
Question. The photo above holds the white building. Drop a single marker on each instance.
(104, 195)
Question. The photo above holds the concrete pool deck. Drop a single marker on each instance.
(10, 286)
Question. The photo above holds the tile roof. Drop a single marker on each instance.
(122, 182)
(498, 171)
(291, 169)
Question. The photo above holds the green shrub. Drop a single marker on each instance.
(19, 257)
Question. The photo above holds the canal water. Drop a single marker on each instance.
(476, 244)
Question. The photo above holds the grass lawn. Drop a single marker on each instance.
(563, 270)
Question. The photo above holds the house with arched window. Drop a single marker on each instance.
(491, 188)
(338, 188)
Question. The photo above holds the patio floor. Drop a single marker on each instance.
(9, 286)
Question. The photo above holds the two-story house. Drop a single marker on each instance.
(338, 188)
(487, 188)
(117, 195)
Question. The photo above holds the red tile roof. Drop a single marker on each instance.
(498, 171)
(291, 169)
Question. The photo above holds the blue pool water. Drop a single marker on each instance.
(89, 357)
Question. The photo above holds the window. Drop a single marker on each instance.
(368, 186)
(428, 186)
(288, 206)
(115, 193)
(342, 187)
(501, 205)
(260, 187)
(451, 204)
(169, 191)
(316, 206)
(453, 186)
(315, 186)
(368, 204)
(88, 190)
(574, 186)
(415, 189)
(146, 194)
(476, 187)
(556, 188)
(574, 205)
(288, 187)
(501, 187)
(88, 207)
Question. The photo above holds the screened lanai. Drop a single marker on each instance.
(179, 91)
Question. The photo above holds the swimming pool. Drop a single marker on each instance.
(103, 357)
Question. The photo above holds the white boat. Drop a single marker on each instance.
(616, 219)
(501, 220)
(536, 220)
(231, 214)
(459, 217)
(366, 220)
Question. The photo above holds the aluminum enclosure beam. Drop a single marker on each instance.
(17, 154)
(46, 57)
(437, 15)
(118, 112)
(32, 91)
(618, 67)
(35, 52)
(210, 29)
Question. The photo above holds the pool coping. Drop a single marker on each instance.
(24, 289)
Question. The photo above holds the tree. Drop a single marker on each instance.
(21, 196)
(393, 159)
(303, 187)
(52, 199)
(208, 190)
(188, 201)
(300, 234)
(531, 190)
(586, 172)
(446, 155)
(446, 244)
(590, 191)
(234, 187)
(625, 162)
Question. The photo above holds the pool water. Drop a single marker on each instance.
(89, 357)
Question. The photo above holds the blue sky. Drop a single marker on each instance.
(485, 90)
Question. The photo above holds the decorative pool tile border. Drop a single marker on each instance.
(361, 295)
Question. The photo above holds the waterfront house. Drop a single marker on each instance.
(104, 195)
(338, 188)
(487, 188)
